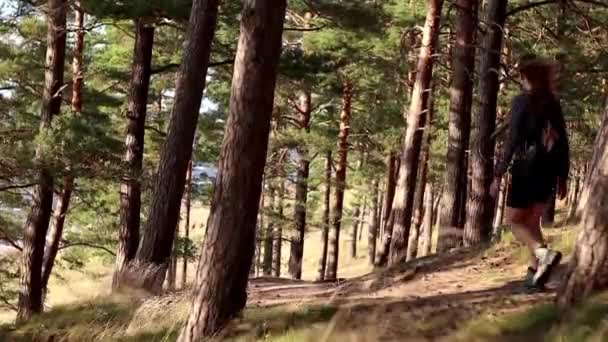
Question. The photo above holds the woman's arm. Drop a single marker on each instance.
(517, 136)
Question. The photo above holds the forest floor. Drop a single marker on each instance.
(466, 295)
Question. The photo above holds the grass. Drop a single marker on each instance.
(542, 323)
(83, 310)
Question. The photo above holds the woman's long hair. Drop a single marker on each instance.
(540, 80)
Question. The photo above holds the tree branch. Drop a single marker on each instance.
(156, 130)
(85, 244)
(529, 6)
(305, 29)
(11, 242)
(172, 66)
(19, 186)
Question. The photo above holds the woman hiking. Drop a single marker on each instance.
(538, 158)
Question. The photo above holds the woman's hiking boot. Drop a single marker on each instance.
(529, 285)
(547, 260)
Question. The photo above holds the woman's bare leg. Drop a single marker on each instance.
(525, 226)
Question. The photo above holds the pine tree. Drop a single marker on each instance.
(147, 269)
(480, 205)
(63, 203)
(404, 197)
(340, 181)
(229, 246)
(37, 224)
(130, 189)
(460, 125)
(586, 273)
(325, 216)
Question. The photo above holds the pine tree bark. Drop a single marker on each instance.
(297, 239)
(37, 223)
(427, 223)
(130, 189)
(388, 220)
(355, 231)
(372, 234)
(221, 285)
(588, 272)
(278, 233)
(147, 270)
(404, 196)
(268, 234)
(188, 205)
(419, 205)
(391, 183)
(480, 205)
(548, 218)
(461, 93)
(325, 217)
(56, 231)
(574, 196)
(341, 165)
(61, 208)
(500, 207)
(600, 140)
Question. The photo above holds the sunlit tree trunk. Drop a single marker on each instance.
(404, 196)
(268, 234)
(373, 223)
(278, 233)
(37, 223)
(227, 251)
(461, 94)
(188, 205)
(341, 164)
(325, 217)
(588, 270)
(480, 204)
(147, 270)
(297, 239)
(63, 203)
(130, 189)
(427, 223)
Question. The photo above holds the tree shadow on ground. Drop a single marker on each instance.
(78, 322)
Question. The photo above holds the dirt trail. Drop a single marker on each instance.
(426, 299)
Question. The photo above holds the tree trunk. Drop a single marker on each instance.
(268, 235)
(341, 165)
(147, 270)
(406, 184)
(427, 223)
(574, 196)
(77, 59)
(500, 207)
(61, 208)
(257, 257)
(130, 189)
(325, 216)
(548, 218)
(297, 239)
(37, 223)
(391, 183)
(480, 205)
(188, 205)
(228, 249)
(355, 231)
(461, 93)
(412, 249)
(587, 272)
(372, 233)
(56, 231)
(278, 233)
(600, 140)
